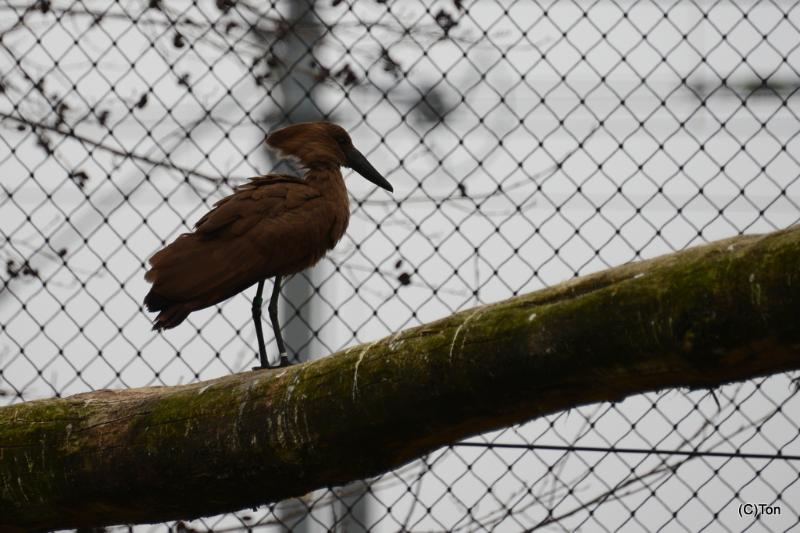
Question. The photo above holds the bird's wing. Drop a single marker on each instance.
(240, 241)
(262, 195)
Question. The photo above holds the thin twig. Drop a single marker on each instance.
(110, 149)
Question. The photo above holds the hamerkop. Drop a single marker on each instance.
(274, 225)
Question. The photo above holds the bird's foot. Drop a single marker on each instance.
(262, 358)
(283, 362)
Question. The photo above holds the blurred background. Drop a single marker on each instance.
(528, 142)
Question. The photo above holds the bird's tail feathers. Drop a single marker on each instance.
(171, 317)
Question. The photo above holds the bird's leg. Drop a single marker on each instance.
(262, 351)
(276, 327)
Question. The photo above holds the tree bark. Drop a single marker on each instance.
(699, 318)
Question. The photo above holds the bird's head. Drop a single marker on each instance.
(324, 144)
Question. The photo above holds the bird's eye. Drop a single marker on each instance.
(341, 137)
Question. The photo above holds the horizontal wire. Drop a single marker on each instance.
(642, 451)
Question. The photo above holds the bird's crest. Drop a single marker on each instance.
(314, 144)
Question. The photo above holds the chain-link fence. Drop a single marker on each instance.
(528, 142)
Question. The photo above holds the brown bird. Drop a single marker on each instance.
(273, 225)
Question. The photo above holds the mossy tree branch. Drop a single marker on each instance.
(699, 318)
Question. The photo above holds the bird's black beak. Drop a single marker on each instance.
(359, 163)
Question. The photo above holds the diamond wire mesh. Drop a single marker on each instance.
(528, 142)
